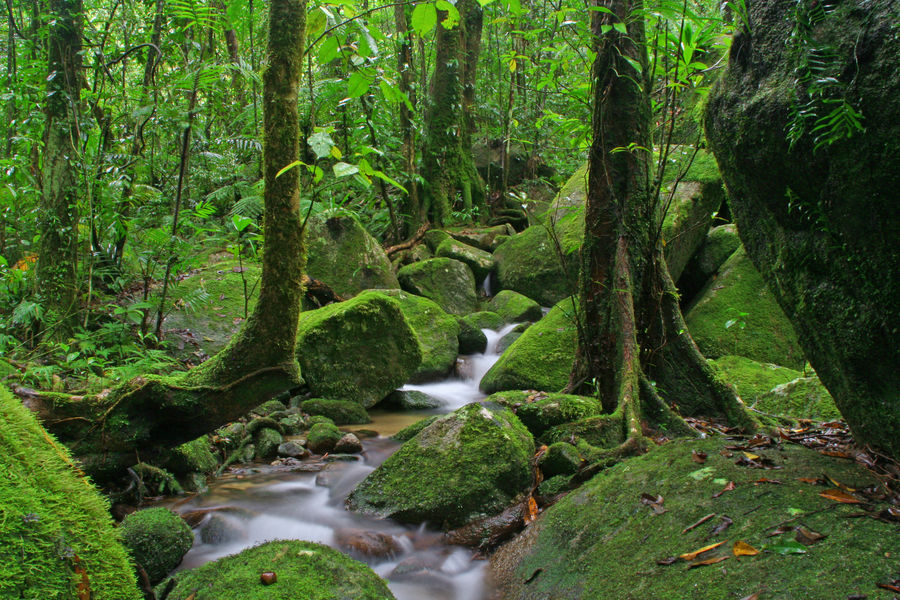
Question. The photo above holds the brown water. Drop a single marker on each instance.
(257, 503)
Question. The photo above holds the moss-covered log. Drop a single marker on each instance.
(821, 223)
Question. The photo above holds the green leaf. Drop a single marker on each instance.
(343, 169)
(240, 223)
(316, 21)
(452, 18)
(328, 51)
(321, 143)
(424, 18)
(357, 85)
(287, 168)
(620, 27)
(786, 547)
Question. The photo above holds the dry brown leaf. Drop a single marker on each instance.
(767, 480)
(753, 596)
(725, 524)
(839, 496)
(698, 457)
(812, 480)
(651, 499)
(728, 487)
(696, 553)
(808, 537)
(708, 561)
(888, 586)
(742, 548)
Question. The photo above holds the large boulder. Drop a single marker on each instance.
(301, 570)
(447, 282)
(737, 314)
(358, 350)
(606, 540)
(470, 463)
(55, 523)
(820, 220)
(721, 242)
(515, 307)
(158, 539)
(343, 255)
(541, 358)
(486, 238)
(436, 331)
(540, 411)
(477, 259)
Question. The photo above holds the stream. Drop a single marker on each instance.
(257, 503)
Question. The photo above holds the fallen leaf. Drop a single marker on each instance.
(891, 513)
(696, 553)
(766, 480)
(649, 499)
(698, 457)
(812, 480)
(725, 524)
(787, 547)
(838, 484)
(667, 561)
(782, 529)
(839, 495)
(808, 537)
(751, 456)
(728, 487)
(531, 511)
(708, 561)
(888, 586)
(742, 548)
(753, 596)
(698, 523)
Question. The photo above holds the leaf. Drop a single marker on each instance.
(667, 561)
(751, 456)
(698, 457)
(620, 27)
(725, 524)
(357, 85)
(343, 169)
(787, 547)
(424, 18)
(696, 553)
(839, 496)
(753, 596)
(708, 561)
(808, 537)
(728, 487)
(328, 51)
(742, 548)
(316, 22)
(321, 143)
(531, 510)
(838, 484)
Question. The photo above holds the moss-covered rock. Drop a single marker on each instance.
(270, 406)
(478, 260)
(820, 220)
(514, 307)
(467, 464)
(434, 237)
(541, 358)
(485, 238)
(158, 539)
(436, 331)
(267, 441)
(192, 457)
(560, 458)
(484, 319)
(751, 379)
(471, 339)
(737, 314)
(554, 485)
(410, 431)
(322, 437)
(303, 570)
(721, 242)
(339, 411)
(342, 254)
(600, 541)
(539, 411)
(51, 514)
(447, 282)
(804, 398)
(409, 400)
(357, 350)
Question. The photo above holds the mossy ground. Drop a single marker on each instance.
(541, 358)
(758, 328)
(601, 542)
(304, 570)
(49, 515)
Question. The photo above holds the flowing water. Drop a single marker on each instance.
(261, 502)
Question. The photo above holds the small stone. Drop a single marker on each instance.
(293, 450)
(268, 578)
(348, 444)
(367, 543)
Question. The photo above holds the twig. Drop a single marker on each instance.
(699, 523)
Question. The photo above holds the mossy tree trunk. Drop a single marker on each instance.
(259, 361)
(448, 163)
(633, 347)
(57, 252)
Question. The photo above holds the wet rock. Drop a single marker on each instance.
(449, 283)
(267, 442)
(409, 400)
(490, 531)
(484, 319)
(293, 450)
(514, 307)
(194, 456)
(471, 339)
(478, 260)
(322, 438)
(341, 412)
(540, 411)
(348, 444)
(158, 539)
(410, 431)
(221, 528)
(261, 423)
(367, 543)
(560, 458)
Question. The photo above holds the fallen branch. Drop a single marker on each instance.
(415, 239)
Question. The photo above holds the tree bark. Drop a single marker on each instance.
(58, 222)
(448, 164)
(405, 67)
(149, 412)
(632, 334)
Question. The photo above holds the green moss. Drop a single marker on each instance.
(541, 358)
(409, 432)
(471, 339)
(322, 437)
(465, 465)
(539, 411)
(357, 350)
(436, 332)
(266, 442)
(554, 485)
(319, 419)
(560, 458)
(514, 307)
(267, 408)
(703, 167)
(721, 242)
(600, 432)
(410, 400)
(449, 283)
(600, 541)
(485, 238)
(158, 539)
(758, 327)
(804, 398)
(49, 514)
(478, 260)
(304, 570)
(339, 411)
(484, 319)
(192, 457)
(342, 254)
(434, 237)
(752, 379)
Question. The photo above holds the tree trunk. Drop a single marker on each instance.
(406, 69)
(149, 412)
(631, 333)
(448, 164)
(57, 253)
